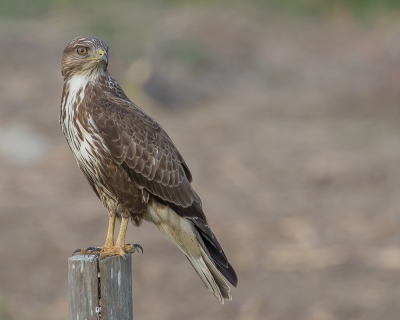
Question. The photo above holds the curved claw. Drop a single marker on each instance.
(94, 250)
(96, 255)
(136, 246)
(89, 249)
(77, 250)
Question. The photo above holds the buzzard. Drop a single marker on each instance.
(133, 166)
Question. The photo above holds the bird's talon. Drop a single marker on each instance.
(108, 251)
(138, 246)
(88, 250)
(95, 250)
(96, 256)
(131, 248)
(77, 250)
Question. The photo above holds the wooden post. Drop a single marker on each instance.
(116, 288)
(100, 289)
(83, 288)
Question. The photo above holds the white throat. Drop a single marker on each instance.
(79, 140)
(75, 88)
(75, 84)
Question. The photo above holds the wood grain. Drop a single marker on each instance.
(115, 283)
(82, 288)
(116, 288)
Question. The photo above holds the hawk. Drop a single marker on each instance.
(133, 166)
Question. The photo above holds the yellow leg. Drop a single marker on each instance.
(122, 232)
(119, 248)
(109, 249)
(110, 232)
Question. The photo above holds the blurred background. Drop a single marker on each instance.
(287, 113)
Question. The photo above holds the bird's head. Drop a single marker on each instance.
(84, 55)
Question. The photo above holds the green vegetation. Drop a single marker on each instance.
(322, 7)
(361, 8)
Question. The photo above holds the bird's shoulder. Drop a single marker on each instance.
(137, 141)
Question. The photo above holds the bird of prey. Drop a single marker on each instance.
(133, 166)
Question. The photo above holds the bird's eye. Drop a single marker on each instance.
(81, 50)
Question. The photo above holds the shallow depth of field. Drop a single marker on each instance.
(288, 115)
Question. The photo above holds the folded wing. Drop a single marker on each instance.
(141, 146)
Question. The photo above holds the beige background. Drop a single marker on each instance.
(288, 120)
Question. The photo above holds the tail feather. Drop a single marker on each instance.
(182, 232)
(218, 278)
(211, 277)
(214, 251)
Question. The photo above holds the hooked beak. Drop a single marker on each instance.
(101, 56)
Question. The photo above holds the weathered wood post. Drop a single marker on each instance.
(100, 289)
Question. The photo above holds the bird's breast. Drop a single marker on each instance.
(75, 122)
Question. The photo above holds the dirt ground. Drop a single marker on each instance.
(289, 126)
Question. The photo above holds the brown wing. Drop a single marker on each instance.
(141, 146)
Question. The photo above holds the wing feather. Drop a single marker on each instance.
(139, 144)
(144, 150)
(152, 161)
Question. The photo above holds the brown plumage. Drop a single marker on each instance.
(133, 166)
